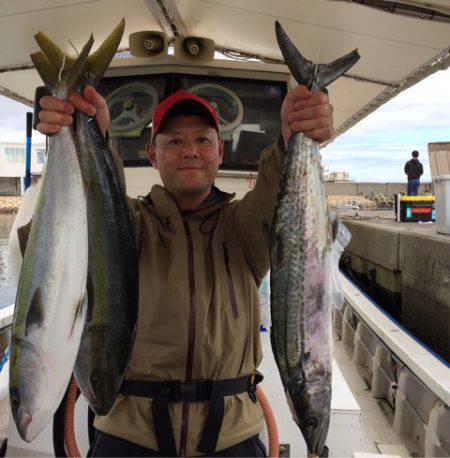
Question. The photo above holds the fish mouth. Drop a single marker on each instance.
(96, 403)
(24, 422)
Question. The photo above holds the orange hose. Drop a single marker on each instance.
(69, 426)
(274, 446)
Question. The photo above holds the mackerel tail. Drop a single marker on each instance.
(302, 245)
(315, 77)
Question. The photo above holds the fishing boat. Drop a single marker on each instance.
(391, 394)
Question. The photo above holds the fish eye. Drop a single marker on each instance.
(311, 423)
(95, 381)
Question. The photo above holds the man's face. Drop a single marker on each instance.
(187, 152)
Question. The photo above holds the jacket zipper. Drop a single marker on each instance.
(190, 355)
(230, 281)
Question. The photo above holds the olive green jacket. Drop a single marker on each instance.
(199, 310)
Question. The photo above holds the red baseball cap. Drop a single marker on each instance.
(163, 109)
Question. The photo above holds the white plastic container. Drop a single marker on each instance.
(442, 193)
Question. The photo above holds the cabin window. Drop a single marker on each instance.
(248, 111)
(15, 155)
(40, 156)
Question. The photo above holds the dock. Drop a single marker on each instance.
(408, 266)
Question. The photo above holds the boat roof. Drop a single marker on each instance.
(400, 42)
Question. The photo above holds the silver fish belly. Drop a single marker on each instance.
(49, 313)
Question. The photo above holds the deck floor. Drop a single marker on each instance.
(377, 433)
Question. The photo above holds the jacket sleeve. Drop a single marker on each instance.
(406, 169)
(420, 169)
(254, 213)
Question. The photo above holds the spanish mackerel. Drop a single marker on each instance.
(50, 308)
(301, 255)
(112, 284)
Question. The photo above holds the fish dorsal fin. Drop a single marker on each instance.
(314, 76)
(23, 233)
(35, 314)
(100, 59)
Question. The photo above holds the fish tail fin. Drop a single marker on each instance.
(327, 73)
(100, 59)
(46, 70)
(36, 311)
(305, 72)
(55, 67)
(53, 53)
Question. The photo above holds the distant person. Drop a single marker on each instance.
(414, 170)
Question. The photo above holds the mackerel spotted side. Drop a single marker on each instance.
(301, 314)
(301, 266)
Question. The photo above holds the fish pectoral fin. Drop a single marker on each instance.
(35, 314)
(90, 292)
(80, 312)
(23, 233)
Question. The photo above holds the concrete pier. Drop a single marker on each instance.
(409, 265)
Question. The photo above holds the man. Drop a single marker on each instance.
(202, 258)
(414, 170)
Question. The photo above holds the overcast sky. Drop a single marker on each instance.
(373, 150)
(378, 146)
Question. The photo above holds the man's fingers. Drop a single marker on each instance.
(53, 117)
(320, 135)
(299, 93)
(81, 104)
(316, 111)
(47, 129)
(92, 96)
(53, 104)
(316, 98)
(312, 124)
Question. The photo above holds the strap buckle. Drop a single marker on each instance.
(192, 391)
(255, 378)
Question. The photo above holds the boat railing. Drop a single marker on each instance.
(401, 370)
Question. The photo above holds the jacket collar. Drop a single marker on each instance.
(160, 202)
